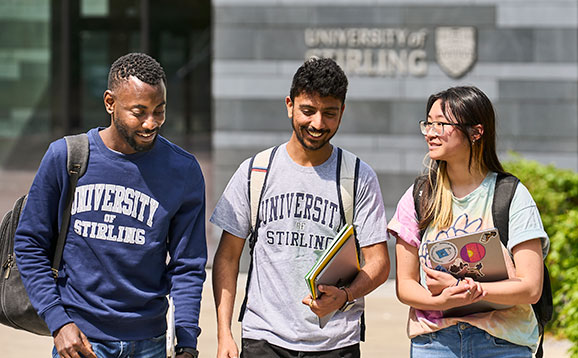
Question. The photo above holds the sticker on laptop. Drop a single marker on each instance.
(487, 236)
(473, 252)
(444, 252)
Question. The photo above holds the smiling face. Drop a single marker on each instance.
(452, 145)
(315, 120)
(138, 111)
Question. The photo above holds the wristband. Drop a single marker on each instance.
(192, 351)
(347, 293)
(350, 301)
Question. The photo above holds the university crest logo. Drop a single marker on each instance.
(456, 50)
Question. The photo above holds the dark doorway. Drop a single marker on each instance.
(88, 35)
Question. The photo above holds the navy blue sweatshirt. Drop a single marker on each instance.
(129, 212)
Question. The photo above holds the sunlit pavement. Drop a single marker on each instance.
(385, 318)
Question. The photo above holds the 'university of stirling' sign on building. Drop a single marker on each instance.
(390, 52)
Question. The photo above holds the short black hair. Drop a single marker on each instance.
(140, 65)
(321, 76)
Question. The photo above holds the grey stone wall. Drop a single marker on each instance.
(526, 62)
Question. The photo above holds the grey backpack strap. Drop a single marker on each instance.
(258, 170)
(348, 169)
(257, 177)
(76, 162)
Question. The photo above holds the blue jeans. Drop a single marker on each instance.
(146, 348)
(465, 341)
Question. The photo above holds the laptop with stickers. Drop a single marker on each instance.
(477, 255)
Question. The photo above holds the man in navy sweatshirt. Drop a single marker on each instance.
(142, 198)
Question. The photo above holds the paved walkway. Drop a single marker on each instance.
(386, 321)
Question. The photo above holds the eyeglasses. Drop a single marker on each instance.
(438, 127)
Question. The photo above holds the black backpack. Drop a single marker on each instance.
(504, 192)
(16, 311)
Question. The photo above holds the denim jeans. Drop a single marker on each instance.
(146, 348)
(465, 341)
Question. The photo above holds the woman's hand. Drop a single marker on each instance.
(466, 292)
(437, 281)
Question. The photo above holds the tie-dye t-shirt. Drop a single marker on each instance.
(474, 213)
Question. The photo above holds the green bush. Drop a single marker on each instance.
(556, 194)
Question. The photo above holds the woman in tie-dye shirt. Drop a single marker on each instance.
(460, 133)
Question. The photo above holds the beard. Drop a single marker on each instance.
(129, 136)
(308, 145)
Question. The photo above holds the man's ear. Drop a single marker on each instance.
(108, 101)
(289, 105)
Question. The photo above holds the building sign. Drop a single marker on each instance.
(393, 51)
(455, 49)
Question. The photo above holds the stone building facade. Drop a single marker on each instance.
(523, 55)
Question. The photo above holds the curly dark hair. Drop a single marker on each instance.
(140, 65)
(321, 76)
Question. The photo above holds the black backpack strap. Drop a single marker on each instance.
(418, 203)
(543, 309)
(255, 228)
(504, 191)
(540, 350)
(343, 220)
(76, 162)
(362, 321)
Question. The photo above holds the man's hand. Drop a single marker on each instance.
(331, 299)
(69, 341)
(227, 347)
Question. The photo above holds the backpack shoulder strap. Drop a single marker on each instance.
(417, 193)
(77, 147)
(418, 184)
(504, 191)
(348, 169)
(506, 185)
(347, 174)
(258, 170)
(77, 153)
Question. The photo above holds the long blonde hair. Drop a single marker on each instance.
(467, 106)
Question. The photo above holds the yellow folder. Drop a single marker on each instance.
(338, 265)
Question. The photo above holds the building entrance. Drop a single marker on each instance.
(57, 60)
